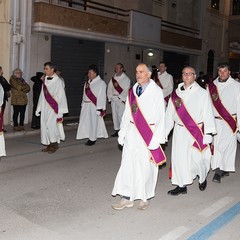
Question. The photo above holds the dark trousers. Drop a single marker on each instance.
(18, 109)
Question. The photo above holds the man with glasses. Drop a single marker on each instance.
(190, 113)
(225, 95)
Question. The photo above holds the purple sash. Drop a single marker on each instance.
(188, 122)
(167, 99)
(223, 112)
(90, 94)
(157, 81)
(51, 101)
(117, 86)
(157, 155)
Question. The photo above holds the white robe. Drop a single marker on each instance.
(51, 131)
(225, 142)
(187, 161)
(137, 176)
(118, 100)
(2, 140)
(91, 124)
(166, 81)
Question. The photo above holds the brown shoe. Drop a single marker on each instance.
(16, 129)
(53, 147)
(46, 149)
(21, 128)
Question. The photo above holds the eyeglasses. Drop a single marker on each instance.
(188, 74)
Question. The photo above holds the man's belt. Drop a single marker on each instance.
(220, 118)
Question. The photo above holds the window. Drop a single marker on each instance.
(215, 4)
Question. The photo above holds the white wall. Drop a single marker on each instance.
(40, 53)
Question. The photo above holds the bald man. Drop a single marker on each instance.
(141, 133)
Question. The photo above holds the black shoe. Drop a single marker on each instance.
(225, 174)
(90, 143)
(120, 147)
(35, 127)
(115, 134)
(162, 166)
(216, 178)
(178, 190)
(202, 186)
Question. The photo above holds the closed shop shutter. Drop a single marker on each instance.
(73, 57)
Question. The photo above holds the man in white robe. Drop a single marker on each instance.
(165, 79)
(137, 176)
(225, 142)
(118, 97)
(52, 104)
(2, 140)
(91, 122)
(189, 162)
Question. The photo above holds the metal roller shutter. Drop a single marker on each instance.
(73, 57)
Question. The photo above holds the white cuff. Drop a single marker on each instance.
(121, 141)
(60, 115)
(207, 139)
(153, 145)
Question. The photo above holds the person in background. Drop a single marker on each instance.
(202, 80)
(154, 72)
(2, 140)
(117, 93)
(91, 122)
(6, 88)
(37, 87)
(19, 100)
(59, 73)
(165, 81)
(52, 104)
(225, 95)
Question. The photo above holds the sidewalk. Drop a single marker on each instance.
(69, 123)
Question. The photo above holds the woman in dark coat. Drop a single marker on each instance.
(37, 86)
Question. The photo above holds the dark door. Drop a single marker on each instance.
(73, 56)
(175, 63)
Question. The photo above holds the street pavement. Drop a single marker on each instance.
(67, 196)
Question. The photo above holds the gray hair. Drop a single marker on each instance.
(16, 70)
(149, 69)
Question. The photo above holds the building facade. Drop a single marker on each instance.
(75, 34)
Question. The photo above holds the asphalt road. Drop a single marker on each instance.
(67, 196)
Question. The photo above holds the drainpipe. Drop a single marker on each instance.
(25, 45)
(14, 35)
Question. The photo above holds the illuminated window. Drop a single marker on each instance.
(215, 4)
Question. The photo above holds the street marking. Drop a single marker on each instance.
(175, 234)
(215, 225)
(216, 206)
